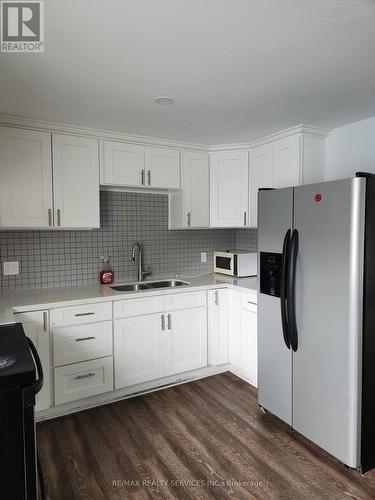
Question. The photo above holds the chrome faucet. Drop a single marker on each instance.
(141, 274)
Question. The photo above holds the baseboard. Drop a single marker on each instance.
(243, 375)
(129, 392)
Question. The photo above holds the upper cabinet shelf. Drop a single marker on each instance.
(48, 181)
(131, 165)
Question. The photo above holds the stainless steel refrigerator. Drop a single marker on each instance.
(316, 313)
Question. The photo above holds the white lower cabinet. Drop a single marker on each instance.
(35, 325)
(82, 349)
(152, 346)
(89, 351)
(218, 327)
(139, 351)
(81, 380)
(186, 340)
(249, 346)
(72, 344)
(243, 335)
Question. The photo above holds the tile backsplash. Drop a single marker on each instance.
(70, 258)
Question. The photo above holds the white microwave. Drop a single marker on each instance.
(240, 263)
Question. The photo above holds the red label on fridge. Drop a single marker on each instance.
(318, 197)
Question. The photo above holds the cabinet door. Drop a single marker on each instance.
(287, 161)
(186, 340)
(196, 189)
(162, 168)
(138, 350)
(234, 328)
(249, 356)
(218, 340)
(229, 189)
(25, 178)
(76, 181)
(122, 164)
(35, 325)
(190, 206)
(260, 176)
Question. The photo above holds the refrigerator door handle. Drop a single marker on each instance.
(38, 383)
(283, 288)
(291, 290)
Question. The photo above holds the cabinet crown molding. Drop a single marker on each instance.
(9, 120)
(282, 134)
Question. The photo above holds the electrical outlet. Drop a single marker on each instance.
(11, 268)
(204, 257)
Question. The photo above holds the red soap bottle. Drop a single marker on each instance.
(106, 274)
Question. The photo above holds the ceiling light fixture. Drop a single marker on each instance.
(163, 100)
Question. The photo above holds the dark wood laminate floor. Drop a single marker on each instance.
(205, 439)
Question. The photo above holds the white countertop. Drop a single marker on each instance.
(48, 298)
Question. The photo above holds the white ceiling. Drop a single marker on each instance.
(238, 69)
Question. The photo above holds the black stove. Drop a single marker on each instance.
(18, 388)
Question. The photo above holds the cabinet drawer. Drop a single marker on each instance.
(72, 344)
(138, 306)
(249, 302)
(75, 315)
(83, 380)
(185, 300)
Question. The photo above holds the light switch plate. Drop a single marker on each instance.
(11, 268)
(203, 256)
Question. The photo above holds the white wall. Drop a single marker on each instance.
(351, 149)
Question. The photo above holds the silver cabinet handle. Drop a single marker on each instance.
(45, 326)
(50, 217)
(58, 217)
(79, 377)
(169, 322)
(216, 298)
(149, 177)
(163, 322)
(189, 219)
(80, 339)
(142, 177)
(253, 303)
(244, 218)
(84, 314)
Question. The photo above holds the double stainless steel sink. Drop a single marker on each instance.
(148, 285)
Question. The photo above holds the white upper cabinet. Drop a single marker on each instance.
(229, 189)
(131, 165)
(293, 161)
(189, 208)
(286, 162)
(162, 168)
(75, 181)
(122, 164)
(25, 178)
(48, 188)
(260, 176)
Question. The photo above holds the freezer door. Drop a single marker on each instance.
(329, 219)
(275, 209)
